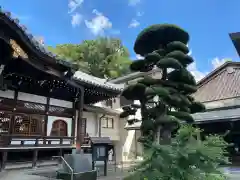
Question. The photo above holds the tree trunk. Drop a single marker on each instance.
(165, 135)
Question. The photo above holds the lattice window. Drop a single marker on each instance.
(28, 124)
(56, 109)
(107, 122)
(30, 107)
(60, 111)
(5, 119)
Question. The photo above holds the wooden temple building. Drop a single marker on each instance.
(41, 101)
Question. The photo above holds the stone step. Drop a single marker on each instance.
(28, 165)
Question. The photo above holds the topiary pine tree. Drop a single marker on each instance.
(165, 102)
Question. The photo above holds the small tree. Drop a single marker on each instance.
(166, 102)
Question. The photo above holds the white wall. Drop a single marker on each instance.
(7, 94)
(113, 133)
(31, 98)
(91, 123)
(61, 103)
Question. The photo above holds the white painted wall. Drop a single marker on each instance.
(91, 123)
(7, 94)
(61, 103)
(32, 98)
(114, 132)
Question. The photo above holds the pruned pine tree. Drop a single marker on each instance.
(166, 104)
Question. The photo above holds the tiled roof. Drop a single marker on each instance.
(222, 83)
(210, 116)
(86, 78)
(101, 140)
(217, 115)
(34, 41)
(133, 76)
(79, 76)
(102, 110)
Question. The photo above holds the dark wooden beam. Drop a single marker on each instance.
(13, 110)
(80, 134)
(74, 119)
(46, 116)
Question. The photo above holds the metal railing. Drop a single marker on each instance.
(69, 167)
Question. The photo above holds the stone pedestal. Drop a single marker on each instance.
(78, 162)
(81, 165)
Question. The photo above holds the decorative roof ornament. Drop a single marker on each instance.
(17, 50)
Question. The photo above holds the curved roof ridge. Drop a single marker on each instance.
(36, 43)
(86, 78)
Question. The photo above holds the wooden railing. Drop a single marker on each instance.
(35, 141)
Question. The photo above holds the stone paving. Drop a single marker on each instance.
(25, 175)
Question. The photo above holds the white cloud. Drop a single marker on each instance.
(76, 19)
(195, 72)
(74, 4)
(139, 56)
(190, 52)
(99, 23)
(134, 23)
(133, 2)
(216, 62)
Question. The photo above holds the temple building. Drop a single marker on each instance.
(46, 105)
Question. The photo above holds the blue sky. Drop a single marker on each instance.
(71, 21)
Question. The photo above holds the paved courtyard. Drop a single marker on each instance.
(27, 175)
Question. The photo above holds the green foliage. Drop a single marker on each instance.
(159, 34)
(163, 46)
(177, 46)
(102, 57)
(185, 158)
(166, 103)
(169, 62)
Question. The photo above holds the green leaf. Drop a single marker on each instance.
(177, 46)
(182, 76)
(152, 37)
(169, 63)
(137, 65)
(182, 116)
(157, 90)
(134, 92)
(197, 107)
(148, 81)
(181, 57)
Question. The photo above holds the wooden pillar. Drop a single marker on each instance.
(80, 133)
(35, 157)
(105, 167)
(136, 144)
(14, 108)
(74, 120)
(4, 160)
(46, 116)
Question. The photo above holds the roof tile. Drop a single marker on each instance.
(221, 85)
